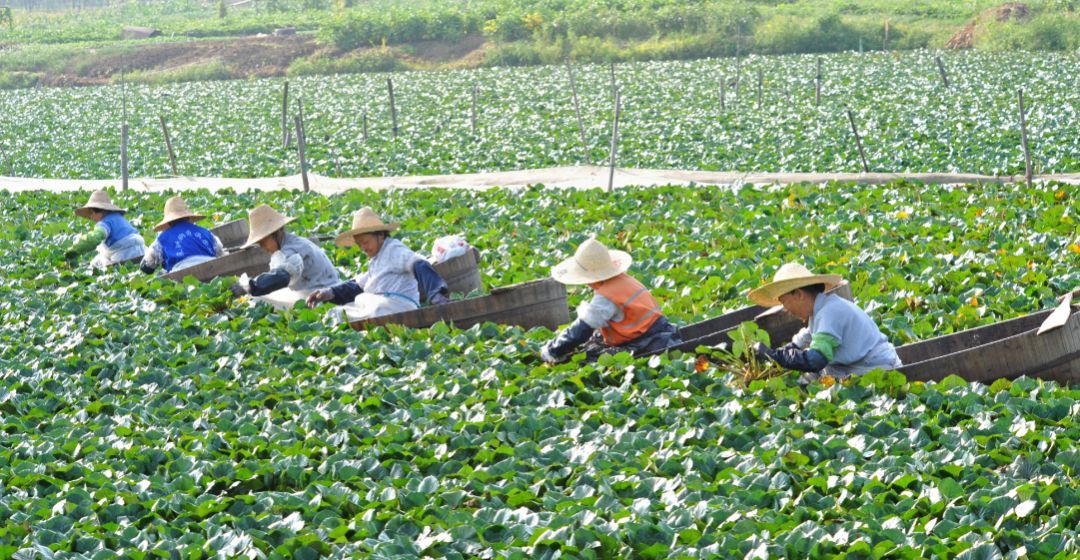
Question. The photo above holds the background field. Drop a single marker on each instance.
(148, 418)
(672, 117)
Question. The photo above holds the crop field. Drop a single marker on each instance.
(672, 116)
(149, 419)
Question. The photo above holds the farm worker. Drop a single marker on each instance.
(297, 266)
(391, 284)
(180, 243)
(840, 338)
(623, 310)
(114, 237)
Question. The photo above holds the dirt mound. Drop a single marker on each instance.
(965, 38)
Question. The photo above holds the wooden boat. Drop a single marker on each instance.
(540, 303)
(780, 325)
(1007, 349)
(232, 234)
(252, 260)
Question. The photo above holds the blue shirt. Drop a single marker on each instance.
(183, 240)
(116, 228)
(862, 346)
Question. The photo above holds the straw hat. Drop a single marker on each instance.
(176, 209)
(262, 222)
(99, 200)
(591, 263)
(364, 220)
(790, 276)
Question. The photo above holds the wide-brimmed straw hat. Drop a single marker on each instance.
(790, 276)
(176, 209)
(263, 221)
(592, 262)
(365, 220)
(99, 200)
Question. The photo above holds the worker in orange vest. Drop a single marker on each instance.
(626, 315)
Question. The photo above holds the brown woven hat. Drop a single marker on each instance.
(364, 220)
(789, 277)
(592, 262)
(263, 221)
(99, 200)
(176, 209)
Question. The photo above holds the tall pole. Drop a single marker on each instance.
(168, 145)
(123, 129)
(285, 116)
(858, 141)
(393, 108)
(1024, 139)
(614, 143)
(577, 114)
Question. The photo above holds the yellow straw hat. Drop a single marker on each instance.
(176, 209)
(790, 276)
(591, 263)
(364, 220)
(99, 200)
(263, 221)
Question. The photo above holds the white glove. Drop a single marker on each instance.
(244, 282)
(546, 355)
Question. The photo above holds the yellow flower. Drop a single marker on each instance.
(1075, 248)
(1060, 195)
(903, 214)
(828, 380)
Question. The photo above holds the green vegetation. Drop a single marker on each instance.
(148, 418)
(672, 117)
(520, 32)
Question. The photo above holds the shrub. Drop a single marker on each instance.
(358, 62)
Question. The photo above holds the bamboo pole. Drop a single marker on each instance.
(941, 70)
(858, 141)
(300, 149)
(168, 145)
(1024, 139)
(577, 115)
(473, 114)
(614, 143)
(393, 108)
(817, 85)
(285, 117)
(760, 87)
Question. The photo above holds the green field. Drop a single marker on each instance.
(672, 117)
(144, 418)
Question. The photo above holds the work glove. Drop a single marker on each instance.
(439, 299)
(71, 257)
(242, 286)
(545, 355)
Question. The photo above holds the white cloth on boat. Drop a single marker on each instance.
(367, 305)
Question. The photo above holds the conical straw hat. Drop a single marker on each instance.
(176, 209)
(364, 220)
(262, 222)
(790, 276)
(99, 200)
(591, 263)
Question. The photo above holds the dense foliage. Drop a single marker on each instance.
(672, 117)
(154, 419)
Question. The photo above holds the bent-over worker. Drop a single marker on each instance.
(392, 281)
(297, 266)
(840, 339)
(622, 315)
(115, 239)
(180, 243)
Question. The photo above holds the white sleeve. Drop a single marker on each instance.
(154, 257)
(598, 312)
(292, 264)
(219, 249)
(802, 338)
(402, 260)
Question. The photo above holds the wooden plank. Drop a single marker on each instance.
(540, 303)
(252, 260)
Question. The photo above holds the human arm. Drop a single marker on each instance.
(152, 259)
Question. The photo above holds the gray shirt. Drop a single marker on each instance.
(862, 346)
(306, 263)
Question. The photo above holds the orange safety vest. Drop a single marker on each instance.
(639, 309)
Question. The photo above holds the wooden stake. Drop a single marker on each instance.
(817, 87)
(363, 124)
(738, 74)
(285, 117)
(614, 143)
(393, 109)
(858, 141)
(473, 115)
(760, 84)
(1024, 139)
(885, 42)
(577, 115)
(614, 84)
(168, 145)
(723, 93)
(941, 69)
(124, 155)
(300, 148)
